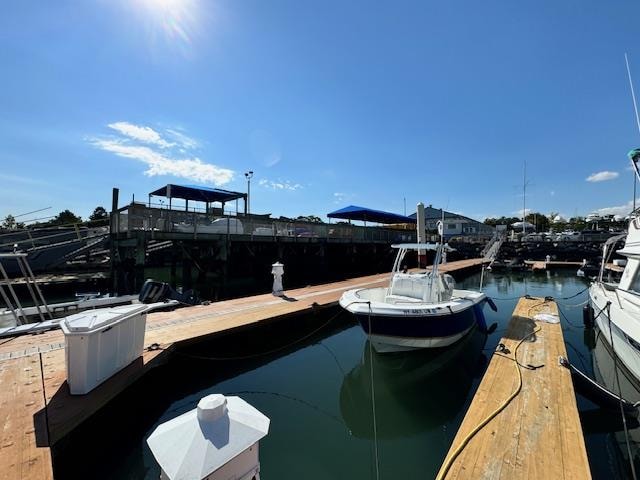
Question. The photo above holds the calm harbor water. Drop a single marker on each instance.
(317, 394)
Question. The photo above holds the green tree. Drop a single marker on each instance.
(540, 220)
(501, 221)
(99, 213)
(66, 217)
(9, 222)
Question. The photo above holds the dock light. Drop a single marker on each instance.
(248, 175)
(277, 270)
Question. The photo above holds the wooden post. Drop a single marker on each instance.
(114, 227)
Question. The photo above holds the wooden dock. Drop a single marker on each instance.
(36, 409)
(538, 434)
(544, 265)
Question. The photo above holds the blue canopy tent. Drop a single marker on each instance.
(198, 194)
(353, 212)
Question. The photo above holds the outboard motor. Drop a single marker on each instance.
(152, 292)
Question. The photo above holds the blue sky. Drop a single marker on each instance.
(330, 103)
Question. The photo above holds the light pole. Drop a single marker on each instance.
(248, 176)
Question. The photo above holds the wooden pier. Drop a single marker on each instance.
(538, 433)
(552, 264)
(36, 409)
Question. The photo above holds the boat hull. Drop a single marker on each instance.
(621, 328)
(415, 327)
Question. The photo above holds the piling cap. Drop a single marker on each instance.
(211, 408)
(200, 441)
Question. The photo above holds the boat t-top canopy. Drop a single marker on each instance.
(197, 193)
(353, 212)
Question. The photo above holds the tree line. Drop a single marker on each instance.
(100, 216)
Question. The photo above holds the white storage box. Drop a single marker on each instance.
(101, 342)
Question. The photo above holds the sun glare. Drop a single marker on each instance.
(175, 19)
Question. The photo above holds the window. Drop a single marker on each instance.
(635, 283)
(451, 226)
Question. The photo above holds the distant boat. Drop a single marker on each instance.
(416, 310)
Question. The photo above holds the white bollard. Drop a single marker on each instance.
(277, 270)
(548, 259)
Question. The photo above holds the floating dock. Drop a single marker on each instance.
(538, 433)
(36, 409)
(552, 264)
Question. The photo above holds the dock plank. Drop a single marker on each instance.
(23, 454)
(538, 434)
(23, 411)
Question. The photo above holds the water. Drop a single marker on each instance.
(317, 394)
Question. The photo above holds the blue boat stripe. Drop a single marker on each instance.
(424, 326)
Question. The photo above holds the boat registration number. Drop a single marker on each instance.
(422, 311)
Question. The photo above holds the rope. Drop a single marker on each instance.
(492, 415)
(254, 355)
(335, 418)
(559, 298)
(373, 399)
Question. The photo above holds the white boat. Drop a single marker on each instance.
(416, 310)
(616, 307)
(58, 310)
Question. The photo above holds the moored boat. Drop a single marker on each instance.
(617, 306)
(416, 310)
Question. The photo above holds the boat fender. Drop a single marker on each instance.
(587, 316)
(492, 328)
(492, 304)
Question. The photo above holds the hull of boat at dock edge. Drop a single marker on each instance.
(624, 329)
(401, 333)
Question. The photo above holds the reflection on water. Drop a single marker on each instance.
(414, 391)
(318, 396)
(605, 370)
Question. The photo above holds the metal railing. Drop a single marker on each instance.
(140, 217)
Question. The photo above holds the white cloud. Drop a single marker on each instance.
(272, 159)
(163, 157)
(143, 134)
(163, 164)
(183, 140)
(340, 197)
(279, 185)
(619, 210)
(602, 176)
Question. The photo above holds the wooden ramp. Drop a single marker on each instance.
(538, 434)
(36, 409)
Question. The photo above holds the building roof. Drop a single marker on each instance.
(431, 213)
(197, 193)
(353, 212)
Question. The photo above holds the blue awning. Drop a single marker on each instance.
(197, 193)
(353, 212)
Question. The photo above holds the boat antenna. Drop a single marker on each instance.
(524, 197)
(633, 158)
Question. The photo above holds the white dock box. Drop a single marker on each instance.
(101, 342)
